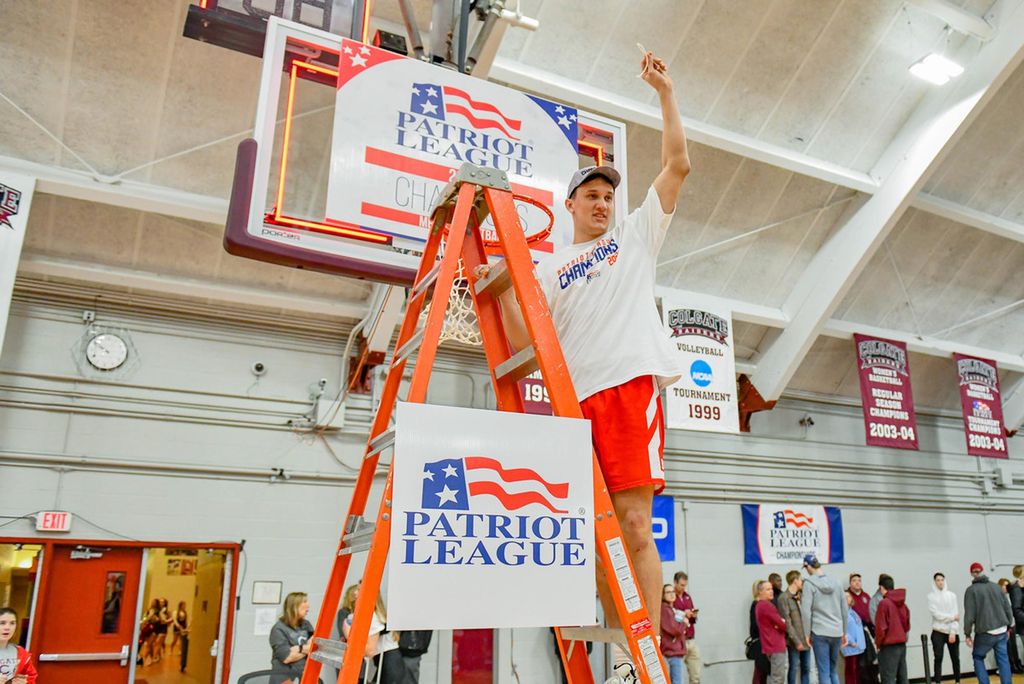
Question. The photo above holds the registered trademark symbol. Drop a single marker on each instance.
(582, 511)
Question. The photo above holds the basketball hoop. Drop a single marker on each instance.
(460, 324)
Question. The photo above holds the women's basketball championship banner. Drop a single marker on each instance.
(416, 124)
(888, 403)
(782, 534)
(705, 397)
(493, 521)
(982, 406)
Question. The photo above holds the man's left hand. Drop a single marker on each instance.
(844, 642)
(655, 72)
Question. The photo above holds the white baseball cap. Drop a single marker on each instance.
(588, 172)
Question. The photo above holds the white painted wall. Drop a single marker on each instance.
(191, 425)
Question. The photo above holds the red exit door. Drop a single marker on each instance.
(87, 617)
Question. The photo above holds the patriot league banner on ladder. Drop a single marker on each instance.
(885, 395)
(493, 522)
(782, 534)
(705, 397)
(982, 406)
(417, 123)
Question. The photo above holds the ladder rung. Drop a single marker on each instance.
(518, 367)
(428, 280)
(496, 282)
(406, 350)
(327, 657)
(380, 443)
(329, 647)
(358, 535)
(601, 635)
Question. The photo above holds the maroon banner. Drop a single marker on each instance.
(982, 406)
(885, 394)
(535, 395)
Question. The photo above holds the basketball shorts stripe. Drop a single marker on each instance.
(628, 430)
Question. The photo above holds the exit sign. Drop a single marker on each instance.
(53, 521)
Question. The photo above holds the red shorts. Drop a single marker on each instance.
(628, 431)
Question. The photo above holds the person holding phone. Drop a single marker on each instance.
(16, 665)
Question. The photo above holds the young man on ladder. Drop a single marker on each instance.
(600, 291)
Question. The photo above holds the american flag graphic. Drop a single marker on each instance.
(981, 409)
(797, 519)
(439, 102)
(449, 484)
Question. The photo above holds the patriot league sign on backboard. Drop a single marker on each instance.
(493, 521)
(416, 124)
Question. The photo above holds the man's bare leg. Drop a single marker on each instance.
(633, 509)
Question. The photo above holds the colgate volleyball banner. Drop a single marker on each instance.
(490, 507)
(885, 394)
(982, 406)
(416, 124)
(782, 534)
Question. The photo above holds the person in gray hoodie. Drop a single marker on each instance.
(824, 611)
(987, 619)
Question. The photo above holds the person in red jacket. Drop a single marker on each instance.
(673, 635)
(773, 633)
(15, 662)
(892, 623)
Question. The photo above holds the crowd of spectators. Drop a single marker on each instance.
(814, 615)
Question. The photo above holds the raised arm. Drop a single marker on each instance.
(675, 160)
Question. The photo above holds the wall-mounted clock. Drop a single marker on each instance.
(106, 351)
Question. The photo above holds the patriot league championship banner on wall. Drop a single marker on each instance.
(492, 520)
(885, 394)
(705, 397)
(982, 406)
(782, 534)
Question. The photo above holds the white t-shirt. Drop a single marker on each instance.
(601, 296)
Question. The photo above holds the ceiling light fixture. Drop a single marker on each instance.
(936, 69)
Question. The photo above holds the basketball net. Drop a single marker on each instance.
(460, 324)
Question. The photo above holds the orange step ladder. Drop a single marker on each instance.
(474, 193)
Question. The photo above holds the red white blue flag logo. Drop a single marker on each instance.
(451, 484)
(435, 101)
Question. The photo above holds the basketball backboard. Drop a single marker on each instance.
(352, 144)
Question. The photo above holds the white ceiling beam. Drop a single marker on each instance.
(1013, 406)
(586, 96)
(957, 17)
(997, 225)
(605, 102)
(162, 283)
(157, 199)
(773, 317)
(932, 346)
(840, 261)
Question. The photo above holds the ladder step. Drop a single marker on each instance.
(496, 282)
(406, 350)
(328, 651)
(518, 366)
(381, 442)
(601, 635)
(428, 280)
(358, 535)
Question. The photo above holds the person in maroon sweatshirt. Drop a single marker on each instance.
(773, 633)
(861, 601)
(892, 623)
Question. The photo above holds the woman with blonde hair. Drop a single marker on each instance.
(381, 645)
(289, 639)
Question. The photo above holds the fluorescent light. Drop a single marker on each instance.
(936, 69)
